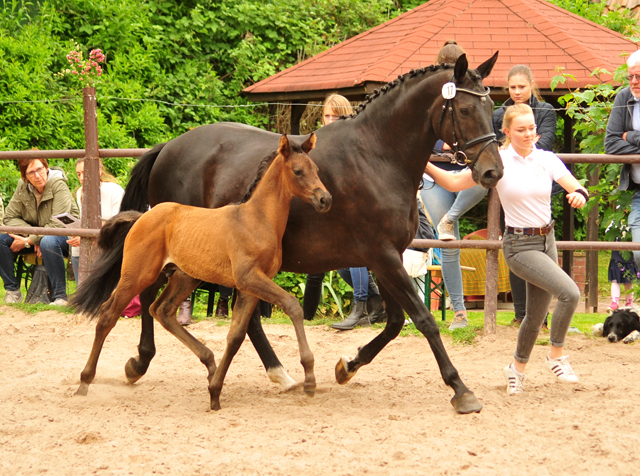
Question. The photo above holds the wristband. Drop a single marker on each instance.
(584, 193)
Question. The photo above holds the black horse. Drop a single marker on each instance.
(372, 163)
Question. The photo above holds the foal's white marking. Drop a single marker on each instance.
(279, 375)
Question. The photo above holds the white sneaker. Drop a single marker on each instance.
(60, 302)
(562, 370)
(515, 380)
(13, 297)
(445, 229)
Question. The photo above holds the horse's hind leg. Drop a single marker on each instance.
(164, 309)
(275, 370)
(136, 367)
(245, 303)
(109, 314)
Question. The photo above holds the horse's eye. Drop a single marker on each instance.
(298, 173)
(464, 111)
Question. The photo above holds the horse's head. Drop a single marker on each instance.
(302, 174)
(464, 121)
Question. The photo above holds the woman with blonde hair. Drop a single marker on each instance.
(367, 307)
(529, 243)
(110, 197)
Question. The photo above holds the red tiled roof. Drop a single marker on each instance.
(532, 32)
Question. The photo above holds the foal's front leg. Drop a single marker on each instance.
(260, 285)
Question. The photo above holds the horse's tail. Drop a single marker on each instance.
(105, 273)
(136, 195)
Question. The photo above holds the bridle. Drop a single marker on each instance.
(449, 91)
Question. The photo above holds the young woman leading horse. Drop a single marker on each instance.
(372, 163)
(237, 246)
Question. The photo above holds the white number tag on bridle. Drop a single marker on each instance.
(449, 90)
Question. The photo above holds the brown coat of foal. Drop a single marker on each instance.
(237, 246)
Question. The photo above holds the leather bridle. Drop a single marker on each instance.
(459, 155)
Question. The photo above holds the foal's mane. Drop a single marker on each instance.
(432, 69)
(262, 169)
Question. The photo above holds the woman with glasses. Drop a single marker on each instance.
(41, 194)
(623, 137)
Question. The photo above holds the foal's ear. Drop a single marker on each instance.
(284, 149)
(309, 144)
(460, 69)
(485, 68)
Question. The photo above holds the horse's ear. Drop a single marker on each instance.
(485, 68)
(460, 70)
(284, 148)
(309, 144)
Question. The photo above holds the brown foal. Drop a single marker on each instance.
(237, 246)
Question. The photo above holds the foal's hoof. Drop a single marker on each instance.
(342, 370)
(467, 403)
(310, 390)
(130, 371)
(215, 405)
(83, 390)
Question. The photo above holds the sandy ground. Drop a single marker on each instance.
(394, 417)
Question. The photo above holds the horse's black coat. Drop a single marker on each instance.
(371, 162)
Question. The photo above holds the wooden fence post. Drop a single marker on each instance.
(491, 283)
(591, 282)
(91, 208)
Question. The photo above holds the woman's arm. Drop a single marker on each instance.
(546, 126)
(449, 181)
(570, 184)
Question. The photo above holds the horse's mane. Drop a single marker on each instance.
(434, 68)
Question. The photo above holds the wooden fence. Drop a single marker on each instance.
(91, 220)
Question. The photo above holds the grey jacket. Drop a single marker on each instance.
(545, 118)
(621, 121)
(56, 199)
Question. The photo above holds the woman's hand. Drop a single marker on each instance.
(576, 199)
(74, 241)
(19, 242)
(37, 250)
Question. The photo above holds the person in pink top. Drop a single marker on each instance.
(529, 243)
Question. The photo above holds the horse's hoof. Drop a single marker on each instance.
(215, 405)
(342, 370)
(83, 390)
(130, 371)
(466, 403)
(310, 391)
(280, 376)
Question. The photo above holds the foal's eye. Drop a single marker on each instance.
(298, 173)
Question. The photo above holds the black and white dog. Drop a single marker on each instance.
(622, 325)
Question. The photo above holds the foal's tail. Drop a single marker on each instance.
(136, 195)
(105, 273)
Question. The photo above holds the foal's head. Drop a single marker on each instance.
(301, 174)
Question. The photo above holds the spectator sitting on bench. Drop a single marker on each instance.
(41, 193)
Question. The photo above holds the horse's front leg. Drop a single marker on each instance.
(396, 285)
(245, 303)
(136, 367)
(275, 370)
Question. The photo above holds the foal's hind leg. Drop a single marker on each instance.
(245, 303)
(164, 309)
(109, 315)
(136, 367)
